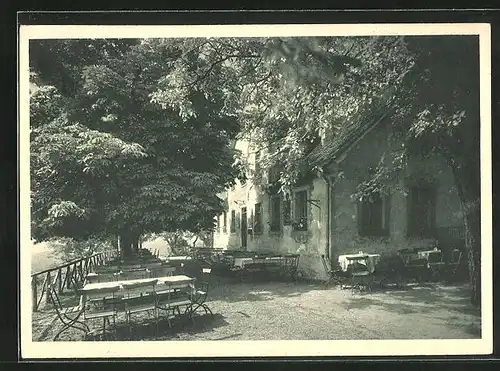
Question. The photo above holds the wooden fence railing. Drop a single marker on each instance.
(64, 276)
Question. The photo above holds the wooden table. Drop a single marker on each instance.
(180, 281)
(425, 254)
(370, 260)
(170, 285)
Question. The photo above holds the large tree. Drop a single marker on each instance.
(106, 159)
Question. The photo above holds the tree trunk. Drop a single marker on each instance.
(129, 244)
(473, 248)
(467, 180)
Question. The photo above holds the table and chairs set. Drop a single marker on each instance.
(362, 271)
(242, 262)
(159, 291)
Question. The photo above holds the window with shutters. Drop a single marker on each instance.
(373, 216)
(275, 214)
(233, 221)
(224, 223)
(257, 219)
(300, 211)
(287, 215)
(421, 206)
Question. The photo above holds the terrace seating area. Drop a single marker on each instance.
(126, 287)
(147, 296)
(364, 271)
(243, 264)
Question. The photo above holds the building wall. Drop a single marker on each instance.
(367, 153)
(310, 245)
(343, 236)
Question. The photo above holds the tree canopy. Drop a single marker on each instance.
(105, 159)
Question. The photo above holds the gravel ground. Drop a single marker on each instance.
(308, 311)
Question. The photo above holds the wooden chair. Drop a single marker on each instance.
(101, 303)
(335, 275)
(69, 316)
(139, 297)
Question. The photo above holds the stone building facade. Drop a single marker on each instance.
(322, 217)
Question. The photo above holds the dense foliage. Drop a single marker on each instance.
(107, 160)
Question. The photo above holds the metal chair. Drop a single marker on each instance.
(170, 300)
(417, 269)
(291, 265)
(435, 264)
(451, 268)
(201, 293)
(69, 316)
(335, 275)
(139, 297)
(359, 275)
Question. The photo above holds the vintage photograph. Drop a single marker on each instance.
(244, 187)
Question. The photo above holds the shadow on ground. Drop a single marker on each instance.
(256, 310)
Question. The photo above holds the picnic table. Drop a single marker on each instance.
(180, 281)
(107, 299)
(284, 264)
(370, 260)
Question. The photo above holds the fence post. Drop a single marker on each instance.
(34, 293)
(67, 278)
(86, 267)
(80, 269)
(59, 281)
(48, 287)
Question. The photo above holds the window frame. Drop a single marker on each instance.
(257, 219)
(275, 225)
(232, 225)
(371, 231)
(300, 222)
(412, 229)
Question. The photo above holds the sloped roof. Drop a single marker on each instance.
(349, 133)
